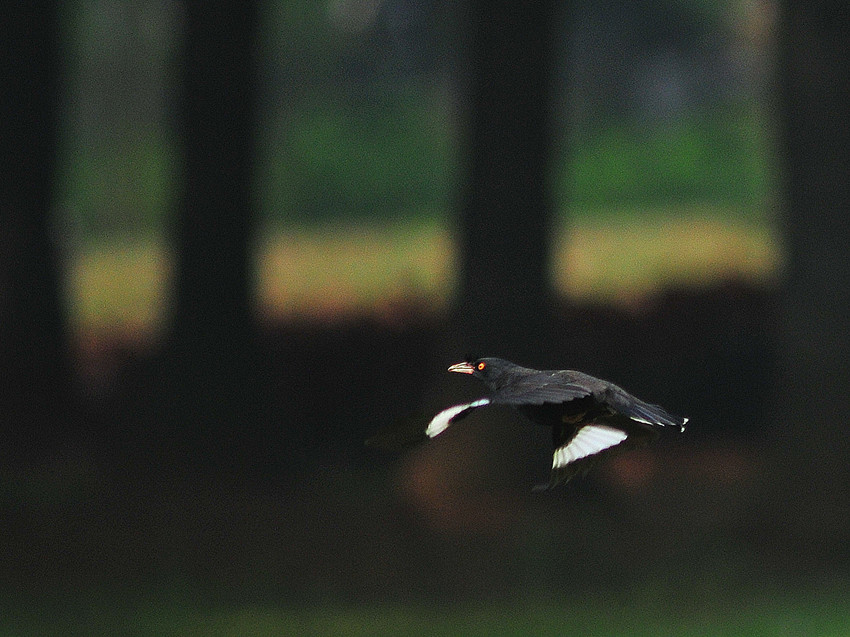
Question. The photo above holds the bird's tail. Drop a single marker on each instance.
(655, 415)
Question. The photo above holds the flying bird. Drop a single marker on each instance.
(591, 419)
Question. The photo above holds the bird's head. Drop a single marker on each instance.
(491, 371)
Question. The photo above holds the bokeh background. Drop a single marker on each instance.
(237, 239)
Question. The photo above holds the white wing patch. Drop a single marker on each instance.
(590, 440)
(441, 421)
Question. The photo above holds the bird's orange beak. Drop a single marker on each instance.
(462, 368)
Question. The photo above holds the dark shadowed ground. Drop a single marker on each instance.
(305, 513)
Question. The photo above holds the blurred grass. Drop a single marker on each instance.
(118, 285)
(624, 257)
(355, 192)
(667, 613)
(722, 156)
(356, 269)
(368, 269)
(327, 159)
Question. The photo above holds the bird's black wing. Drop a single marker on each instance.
(396, 438)
(399, 435)
(442, 420)
(577, 448)
(552, 388)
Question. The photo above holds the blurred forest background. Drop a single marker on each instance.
(237, 239)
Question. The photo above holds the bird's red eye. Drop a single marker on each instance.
(481, 366)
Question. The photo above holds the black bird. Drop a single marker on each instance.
(591, 419)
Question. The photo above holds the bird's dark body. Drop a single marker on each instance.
(590, 418)
(575, 411)
(553, 397)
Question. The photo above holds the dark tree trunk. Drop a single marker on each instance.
(213, 344)
(35, 393)
(505, 302)
(217, 130)
(814, 370)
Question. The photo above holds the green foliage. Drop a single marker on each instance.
(634, 615)
(357, 123)
(718, 158)
(121, 186)
(390, 159)
(376, 161)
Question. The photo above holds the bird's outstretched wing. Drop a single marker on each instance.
(553, 390)
(577, 448)
(442, 420)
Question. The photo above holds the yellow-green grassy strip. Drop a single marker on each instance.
(342, 271)
(357, 269)
(628, 257)
(118, 285)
